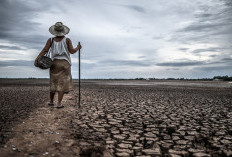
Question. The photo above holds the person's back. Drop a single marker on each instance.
(59, 49)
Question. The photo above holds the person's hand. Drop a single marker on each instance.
(79, 46)
(36, 63)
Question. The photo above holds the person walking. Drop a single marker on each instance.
(60, 49)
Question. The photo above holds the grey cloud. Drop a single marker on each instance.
(214, 68)
(223, 32)
(188, 38)
(199, 27)
(205, 50)
(180, 64)
(16, 25)
(131, 7)
(220, 62)
(228, 3)
(213, 55)
(204, 15)
(15, 17)
(213, 28)
(142, 57)
(125, 63)
(226, 59)
(136, 8)
(172, 69)
(16, 63)
(157, 37)
(183, 59)
(184, 49)
(10, 47)
(212, 25)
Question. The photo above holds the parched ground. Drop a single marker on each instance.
(129, 119)
(45, 132)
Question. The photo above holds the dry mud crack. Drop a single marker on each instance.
(127, 121)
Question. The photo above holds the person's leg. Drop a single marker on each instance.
(60, 97)
(52, 97)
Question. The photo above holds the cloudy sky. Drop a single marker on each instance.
(123, 38)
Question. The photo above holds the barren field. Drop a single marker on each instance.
(126, 118)
(16, 102)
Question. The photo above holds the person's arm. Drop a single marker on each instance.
(71, 49)
(43, 52)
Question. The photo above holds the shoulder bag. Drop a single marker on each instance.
(45, 62)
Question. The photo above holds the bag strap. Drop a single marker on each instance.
(48, 53)
(52, 42)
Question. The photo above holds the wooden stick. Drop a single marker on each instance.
(79, 101)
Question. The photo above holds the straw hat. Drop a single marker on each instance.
(59, 29)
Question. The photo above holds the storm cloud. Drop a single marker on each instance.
(16, 24)
(180, 64)
(121, 39)
(133, 7)
(4, 47)
(16, 63)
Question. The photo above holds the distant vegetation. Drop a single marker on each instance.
(218, 78)
(224, 78)
(215, 78)
(199, 79)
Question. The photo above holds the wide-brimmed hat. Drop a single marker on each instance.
(59, 29)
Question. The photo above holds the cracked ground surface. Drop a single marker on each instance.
(141, 120)
(157, 120)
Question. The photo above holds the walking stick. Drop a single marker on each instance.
(79, 101)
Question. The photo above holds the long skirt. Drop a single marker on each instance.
(60, 76)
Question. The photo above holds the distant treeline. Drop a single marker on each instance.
(224, 78)
(216, 78)
(202, 79)
(219, 78)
